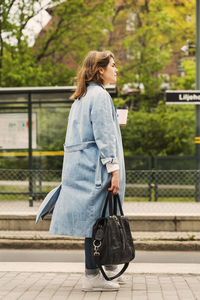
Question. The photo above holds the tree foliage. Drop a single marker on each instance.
(17, 65)
(144, 35)
(147, 44)
(186, 82)
(182, 18)
(155, 31)
(78, 27)
(164, 131)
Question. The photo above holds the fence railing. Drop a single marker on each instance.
(27, 184)
(141, 185)
(136, 162)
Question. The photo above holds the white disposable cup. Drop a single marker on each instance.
(122, 116)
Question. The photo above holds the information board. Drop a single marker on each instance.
(14, 131)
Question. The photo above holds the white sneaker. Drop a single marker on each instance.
(121, 279)
(98, 283)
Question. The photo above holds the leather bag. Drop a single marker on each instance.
(111, 237)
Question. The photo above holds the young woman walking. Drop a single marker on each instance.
(93, 160)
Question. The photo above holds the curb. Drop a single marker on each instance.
(79, 268)
(173, 223)
(148, 245)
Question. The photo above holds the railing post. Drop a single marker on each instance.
(150, 185)
(155, 185)
(40, 181)
(30, 158)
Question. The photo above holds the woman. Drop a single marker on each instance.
(93, 160)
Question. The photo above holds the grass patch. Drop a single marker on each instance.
(21, 192)
(161, 199)
(17, 194)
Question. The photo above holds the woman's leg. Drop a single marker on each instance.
(93, 281)
(90, 267)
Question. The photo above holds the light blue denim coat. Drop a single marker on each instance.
(93, 139)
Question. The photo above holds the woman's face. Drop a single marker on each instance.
(109, 74)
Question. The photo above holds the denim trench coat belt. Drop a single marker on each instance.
(47, 206)
(86, 145)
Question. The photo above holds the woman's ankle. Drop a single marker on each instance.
(91, 272)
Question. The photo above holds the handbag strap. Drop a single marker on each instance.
(117, 202)
(117, 275)
(108, 201)
(113, 201)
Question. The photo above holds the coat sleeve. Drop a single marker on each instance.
(103, 127)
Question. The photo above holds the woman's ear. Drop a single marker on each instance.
(101, 70)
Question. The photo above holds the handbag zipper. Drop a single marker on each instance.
(116, 219)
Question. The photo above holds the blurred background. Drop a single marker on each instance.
(42, 44)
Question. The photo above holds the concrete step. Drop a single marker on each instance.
(26, 221)
(186, 241)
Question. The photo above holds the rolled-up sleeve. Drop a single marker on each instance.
(112, 167)
(104, 127)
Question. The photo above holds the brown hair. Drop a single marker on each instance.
(90, 71)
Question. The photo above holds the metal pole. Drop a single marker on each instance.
(197, 44)
(197, 83)
(30, 158)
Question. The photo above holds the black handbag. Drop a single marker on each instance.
(111, 237)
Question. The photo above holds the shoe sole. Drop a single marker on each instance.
(120, 282)
(100, 290)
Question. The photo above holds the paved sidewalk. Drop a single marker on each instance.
(45, 281)
(130, 208)
(27, 281)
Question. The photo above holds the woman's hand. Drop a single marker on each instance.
(114, 182)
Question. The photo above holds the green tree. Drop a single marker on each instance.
(147, 35)
(167, 130)
(186, 82)
(182, 18)
(78, 26)
(17, 62)
(147, 45)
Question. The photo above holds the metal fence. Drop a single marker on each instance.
(141, 185)
(29, 185)
(170, 162)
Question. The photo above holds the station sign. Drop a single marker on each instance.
(183, 97)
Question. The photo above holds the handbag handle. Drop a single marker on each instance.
(117, 202)
(117, 275)
(113, 201)
(108, 202)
